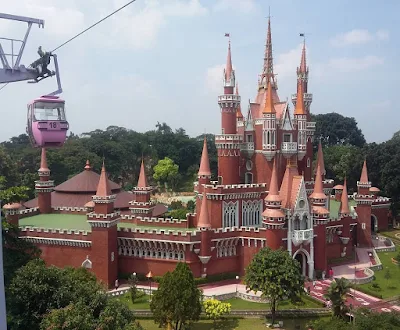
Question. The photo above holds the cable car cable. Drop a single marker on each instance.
(3, 86)
(103, 19)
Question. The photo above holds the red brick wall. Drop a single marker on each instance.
(61, 256)
(382, 216)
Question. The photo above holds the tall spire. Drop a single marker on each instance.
(228, 68)
(103, 188)
(320, 159)
(204, 221)
(239, 113)
(300, 106)
(273, 193)
(303, 62)
(268, 69)
(364, 174)
(142, 182)
(43, 162)
(204, 169)
(344, 201)
(269, 103)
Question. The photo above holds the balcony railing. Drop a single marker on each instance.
(311, 125)
(247, 146)
(303, 235)
(289, 147)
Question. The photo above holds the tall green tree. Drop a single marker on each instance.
(276, 275)
(337, 293)
(177, 300)
(166, 171)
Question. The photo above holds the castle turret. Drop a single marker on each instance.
(204, 225)
(273, 216)
(44, 186)
(344, 210)
(364, 201)
(300, 115)
(141, 205)
(204, 174)
(103, 221)
(228, 142)
(11, 211)
(239, 115)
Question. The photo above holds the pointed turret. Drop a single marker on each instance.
(229, 73)
(300, 106)
(142, 182)
(273, 193)
(344, 201)
(44, 186)
(88, 167)
(364, 173)
(204, 169)
(239, 114)
(103, 188)
(269, 103)
(303, 62)
(318, 192)
(320, 160)
(363, 185)
(204, 221)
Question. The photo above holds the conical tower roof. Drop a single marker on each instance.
(103, 188)
(142, 182)
(344, 201)
(204, 221)
(273, 193)
(204, 169)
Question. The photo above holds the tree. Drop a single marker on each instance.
(370, 320)
(215, 309)
(387, 275)
(133, 290)
(334, 323)
(177, 300)
(276, 274)
(166, 171)
(337, 293)
(36, 290)
(335, 129)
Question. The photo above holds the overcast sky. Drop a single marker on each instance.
(163, 60)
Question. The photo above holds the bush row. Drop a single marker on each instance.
(368, 291)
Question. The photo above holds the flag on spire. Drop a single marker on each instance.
(301, 34)
(227, 35)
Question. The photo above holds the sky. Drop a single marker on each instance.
(162, 60)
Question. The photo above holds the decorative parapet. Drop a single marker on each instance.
(104, 199)
(69, 209)
(155, 220)
(38, 230)
(387, 248)
(103, 224)
(143, 190)
(28, 211)
(157, 231)
(145, 204)
(93, 215)
(58, 241)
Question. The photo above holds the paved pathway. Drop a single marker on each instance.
(349, 270)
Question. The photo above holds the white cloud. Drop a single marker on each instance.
(139, 28)
(348, 64)
(358, 37)
(286, 63)
(214, 78)
(242, 6)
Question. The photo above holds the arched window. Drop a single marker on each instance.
(296, 223)
(248, 178)
(308, 162)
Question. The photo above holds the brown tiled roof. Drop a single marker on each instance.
(84, 182)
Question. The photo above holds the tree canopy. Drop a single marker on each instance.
(177, 300)
(276, 275)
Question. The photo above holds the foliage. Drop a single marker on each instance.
(35, 290)
(134, 293)
(366, 319)
(276, 274)
(215, 309)
(175, 205)
(335, 323)
(337, 293)
(166, 171)
(191, 205)
(387, 275)
(177, 214)
(335, 129)
(177, 300)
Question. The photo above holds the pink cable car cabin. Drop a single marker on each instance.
(47, 125)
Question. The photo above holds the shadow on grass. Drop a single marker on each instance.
(224, 324)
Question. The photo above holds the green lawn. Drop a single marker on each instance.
(335, 205)
(77, 222)
(387, 288)
(237, 304)
(392, 234)
(230, 324)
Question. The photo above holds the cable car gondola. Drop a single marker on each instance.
(46, 121)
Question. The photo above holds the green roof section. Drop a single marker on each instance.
(77, 222)
(335, 205)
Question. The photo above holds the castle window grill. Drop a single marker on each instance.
(329, 236)
(230, 214)
(153, 250)
(251, 213)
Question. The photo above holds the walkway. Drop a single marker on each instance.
(356, 298)
(352, 270)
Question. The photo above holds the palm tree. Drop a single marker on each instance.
(337, 292)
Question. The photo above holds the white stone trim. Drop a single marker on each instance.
(57, 241)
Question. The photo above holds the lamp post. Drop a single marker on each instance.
(3, 317)
(149, 276)
(237, 279)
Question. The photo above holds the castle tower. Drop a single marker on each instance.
(321, 218)
(103, 221)
(228, 142)
(204, 225)
(364, 201)
(306, 128)
(273, 216)
(344, 210)
(44, 186)
(141, 205)
(12, 212)
(269, 125)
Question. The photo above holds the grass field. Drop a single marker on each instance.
(236, 303)
(387, 287)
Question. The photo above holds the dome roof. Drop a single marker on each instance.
(84, 182)
(12, 206)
